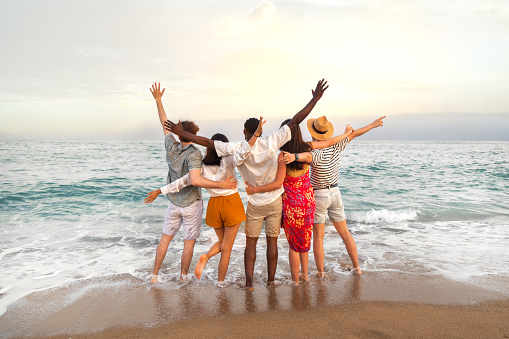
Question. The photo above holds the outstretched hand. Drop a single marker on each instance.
(321, 86)
(259, 129)
(156, 91)
(287, 158)
(378, 122)
(173, 127)
(152, 196)
(349, 129)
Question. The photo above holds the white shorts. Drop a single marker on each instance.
(189, 217)
(328, 201)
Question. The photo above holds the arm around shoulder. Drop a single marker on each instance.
(300, 157)
(276, 184)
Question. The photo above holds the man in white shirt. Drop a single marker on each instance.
(259, 169)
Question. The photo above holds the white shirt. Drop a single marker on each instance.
(215, 173)
(260, 166)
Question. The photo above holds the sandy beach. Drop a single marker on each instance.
(375, 305)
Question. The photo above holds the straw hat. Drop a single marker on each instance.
(321, 128)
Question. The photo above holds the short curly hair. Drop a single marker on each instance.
(189, 126)
(251, 125)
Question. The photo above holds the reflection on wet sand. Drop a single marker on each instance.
(190, 300)
(128, 302)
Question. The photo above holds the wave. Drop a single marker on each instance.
(382, 216)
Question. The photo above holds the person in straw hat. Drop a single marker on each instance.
(324, 179)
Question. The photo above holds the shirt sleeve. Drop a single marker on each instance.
(340, 146)
(226, 148)
(242, 153)
(194, 160)
(280, 137)
(177, 185)
(316, 154)
(169, 141)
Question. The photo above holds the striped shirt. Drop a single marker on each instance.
(325, 165)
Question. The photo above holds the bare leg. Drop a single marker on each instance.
(318, 235)
(162, 248)
(249, 260)
(303, 256)
(230, 233)
(214, 249)
(272, 255)
(294, 265)
(187, 256)
(351, 248)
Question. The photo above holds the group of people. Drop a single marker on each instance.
(281, 190)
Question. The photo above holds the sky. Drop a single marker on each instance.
(80, 69)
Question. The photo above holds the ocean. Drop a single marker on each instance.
(73, 211)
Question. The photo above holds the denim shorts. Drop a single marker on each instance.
(328, 201)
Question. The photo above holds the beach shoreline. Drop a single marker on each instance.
(377, 304)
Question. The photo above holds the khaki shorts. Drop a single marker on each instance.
(225, 211)
(270, 213)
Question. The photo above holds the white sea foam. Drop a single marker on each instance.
(382, 216)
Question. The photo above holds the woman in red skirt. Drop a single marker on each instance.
(298, 201)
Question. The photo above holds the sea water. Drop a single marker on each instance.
(73, 210)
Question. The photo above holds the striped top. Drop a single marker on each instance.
(325, 165)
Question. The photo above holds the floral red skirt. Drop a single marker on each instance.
(298, 212)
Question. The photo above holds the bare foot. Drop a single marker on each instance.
(154, 279)
(303, 277)
(200, 266)
(249, 288)
(356, 271)
(320, 274)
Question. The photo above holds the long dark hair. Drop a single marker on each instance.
(211, 157)
(295, 145)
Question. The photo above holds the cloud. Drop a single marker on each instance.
(231, 25)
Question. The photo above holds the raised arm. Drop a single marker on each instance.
(301, 157)
(172, 127)
(198, 180)
(244, 150)
(257, 133)
(157, 94)
(358, 132)
(303, 113)
(332, 141)
(277, 183)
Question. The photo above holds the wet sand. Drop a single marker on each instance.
(375, 305)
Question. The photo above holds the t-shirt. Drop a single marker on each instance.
(325, 165)
(260, 166)
(180, 161)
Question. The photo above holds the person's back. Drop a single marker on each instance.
(325, 165)
(180, 160)
(260, 167)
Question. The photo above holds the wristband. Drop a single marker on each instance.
(296, 156)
